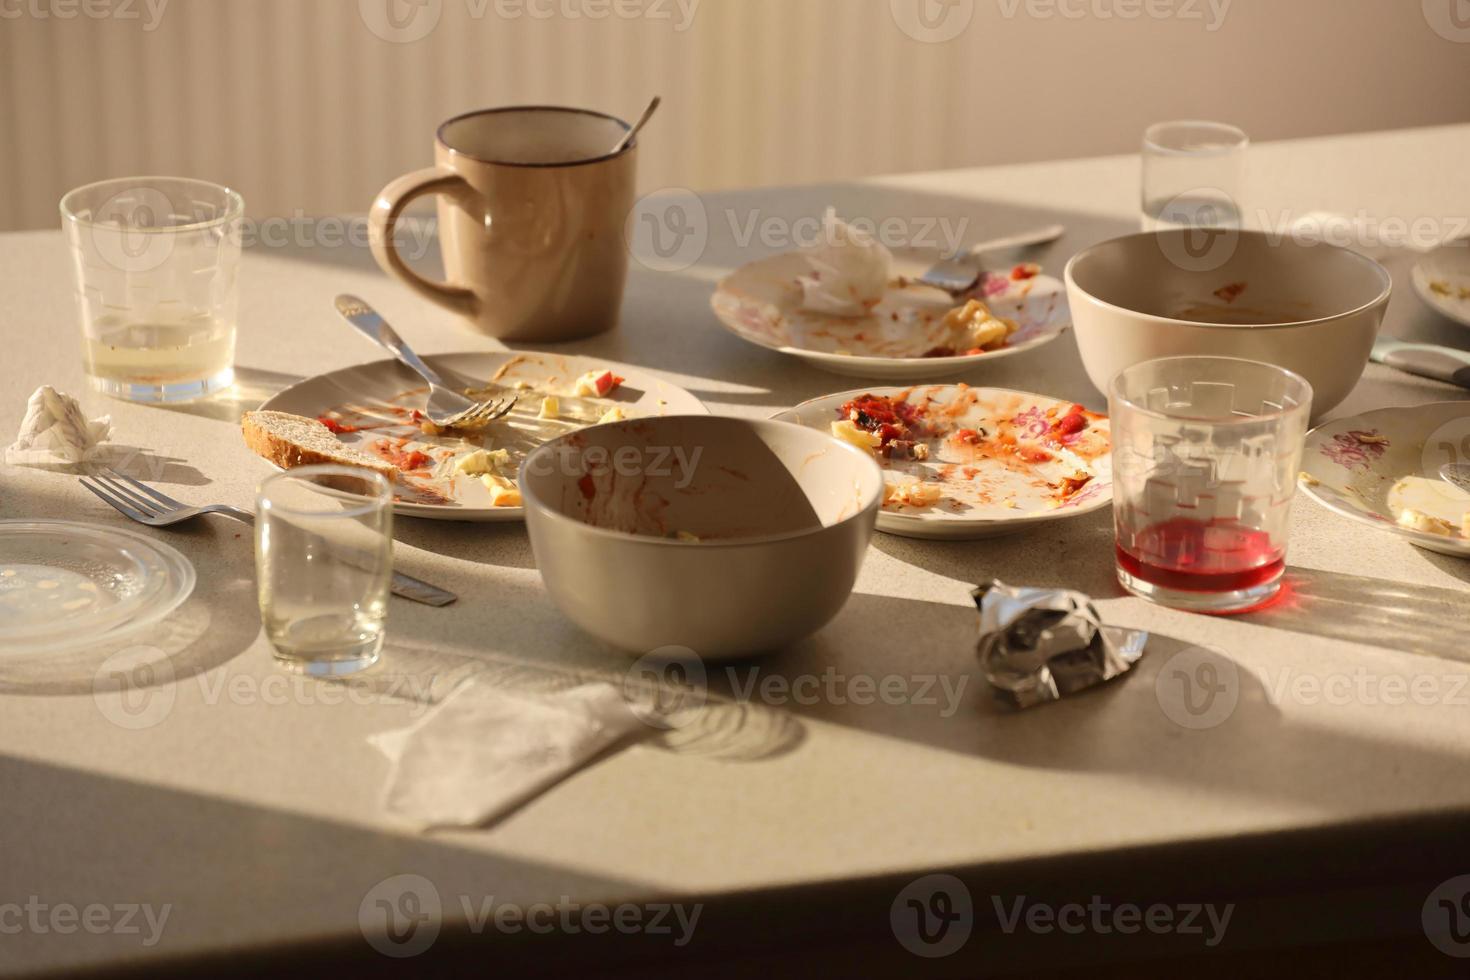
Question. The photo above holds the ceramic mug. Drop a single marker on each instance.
(532, 203)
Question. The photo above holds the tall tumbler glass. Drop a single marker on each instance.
(1206, 452)
(156, 262)
(324, 561)
(1192, 175)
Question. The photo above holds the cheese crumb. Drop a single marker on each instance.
(503, 492)
(550, 408)
(849, 432)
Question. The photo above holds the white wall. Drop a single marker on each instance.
(300, 105)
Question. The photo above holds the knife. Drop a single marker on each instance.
(408, 587)
(1425, 360)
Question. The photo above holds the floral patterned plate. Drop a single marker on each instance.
(964, 462)
(761, 303)
(1382, 469)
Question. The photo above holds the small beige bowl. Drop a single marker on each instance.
(1310, 308)
(727, 536)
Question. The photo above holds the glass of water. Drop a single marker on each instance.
(1192, 175)
(323, 562)
(157, 262)
(1206, 452)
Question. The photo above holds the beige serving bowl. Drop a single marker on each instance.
(726, 536)
(1311, 308)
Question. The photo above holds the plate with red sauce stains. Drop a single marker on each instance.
(962, 462)
(915, 332)
(471, 476)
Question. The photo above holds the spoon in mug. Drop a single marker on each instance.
(629, 136)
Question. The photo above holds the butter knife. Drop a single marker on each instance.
(1426, 360)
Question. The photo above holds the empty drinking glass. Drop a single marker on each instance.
(1206, 452)
(1192, 175)
(157, 261)
(323, 562)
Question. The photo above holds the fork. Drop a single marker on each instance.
(137, 501)
(447, 408)
(960, 272)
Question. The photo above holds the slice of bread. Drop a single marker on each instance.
(294, 440)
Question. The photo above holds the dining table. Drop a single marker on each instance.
(223, 815)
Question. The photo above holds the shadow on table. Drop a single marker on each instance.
(684, 717)
(252, 387)
(1418, 619)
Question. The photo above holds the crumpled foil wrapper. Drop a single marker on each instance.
(1040, 645)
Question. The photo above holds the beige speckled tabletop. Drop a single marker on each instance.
(247, 801)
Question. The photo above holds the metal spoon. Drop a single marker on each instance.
(960, 273)
(629, 136)
(1457, 474)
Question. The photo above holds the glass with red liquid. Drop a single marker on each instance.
(1206, 452)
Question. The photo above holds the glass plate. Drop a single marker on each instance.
(64, 584)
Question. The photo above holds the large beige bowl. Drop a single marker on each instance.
(726, 536)
(1311, 308)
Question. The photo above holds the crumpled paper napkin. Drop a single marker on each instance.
(55, 433)
(483, 752)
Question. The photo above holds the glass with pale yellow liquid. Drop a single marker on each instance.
(157, 264)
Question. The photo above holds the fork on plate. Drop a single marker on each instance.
(138, 501)
(447, 408)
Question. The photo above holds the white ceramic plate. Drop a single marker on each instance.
(991, 488)
(1370, 467)
(64, 585)
(761, 303)
(1442, 279)
(383, 394)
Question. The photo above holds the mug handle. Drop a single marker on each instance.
(383, 227)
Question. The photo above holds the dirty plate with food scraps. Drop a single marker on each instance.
(762, 303)
(964, 462)
(376, 408)
(1382, 469)
(1442, 279)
